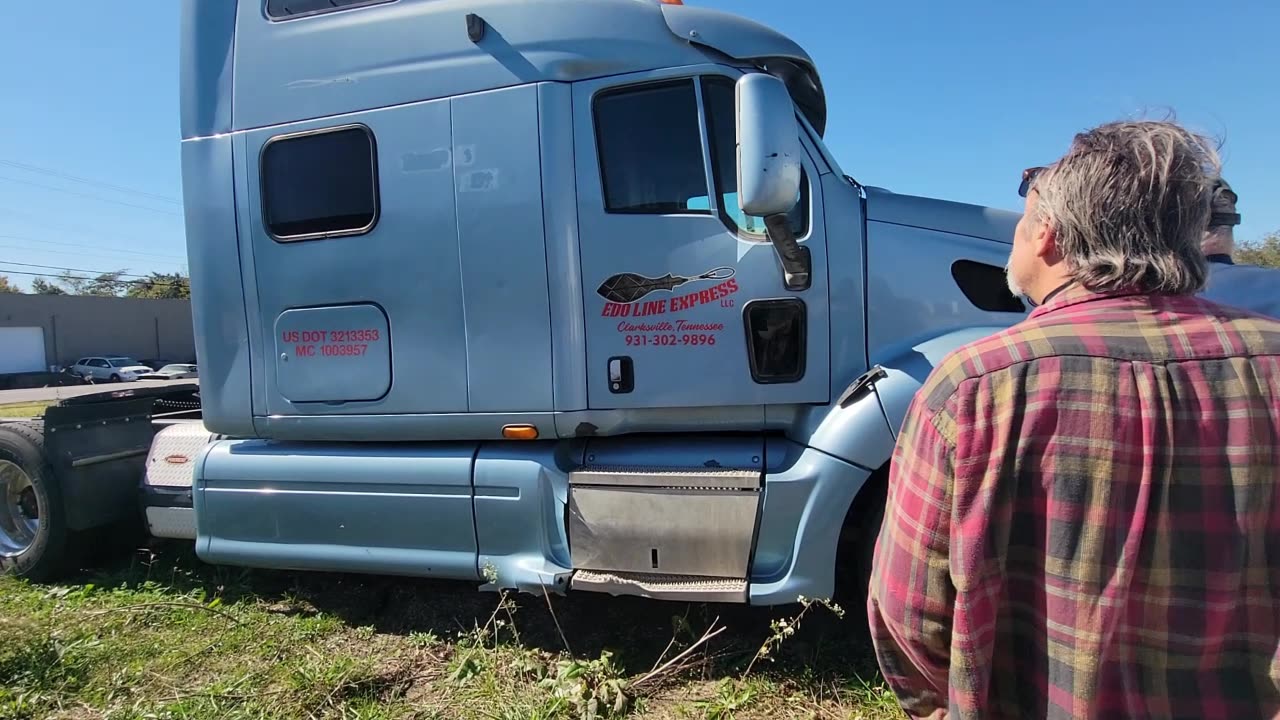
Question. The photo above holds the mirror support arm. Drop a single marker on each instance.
(797, 265)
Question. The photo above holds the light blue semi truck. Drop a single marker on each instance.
(545, 294)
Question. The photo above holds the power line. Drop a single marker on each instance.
(43, 220)
(68, 269)
(24, 238)
(91, 197)
(81, 255)
(89, 279)
(87, 181)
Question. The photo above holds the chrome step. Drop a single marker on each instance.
(662, 587)
(657, 477)
(692, 523)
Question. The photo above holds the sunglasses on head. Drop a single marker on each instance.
(1028, 177)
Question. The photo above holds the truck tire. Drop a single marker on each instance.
(33, 533)
(857, 551)
(870, 532)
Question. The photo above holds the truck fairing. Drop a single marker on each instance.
(287, 69)
(947, 216)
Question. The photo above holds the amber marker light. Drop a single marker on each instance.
(520, 432)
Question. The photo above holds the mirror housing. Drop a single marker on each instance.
(768, 146)
(769, 168)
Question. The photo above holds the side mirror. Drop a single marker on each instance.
(769, 169)
(768, 146)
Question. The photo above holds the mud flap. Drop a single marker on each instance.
(97, 445)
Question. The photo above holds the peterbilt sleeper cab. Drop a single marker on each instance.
(546, 294)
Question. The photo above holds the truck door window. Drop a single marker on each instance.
(650, 146)
(320, 184)
(285, 9)
(718, 99)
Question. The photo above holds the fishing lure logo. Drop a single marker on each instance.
(624, 292)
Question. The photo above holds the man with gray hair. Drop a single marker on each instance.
(1244, 286)
(1083, 518)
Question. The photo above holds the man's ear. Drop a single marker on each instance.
(1044, 240)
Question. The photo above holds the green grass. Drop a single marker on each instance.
(161, 635)
(24, 410)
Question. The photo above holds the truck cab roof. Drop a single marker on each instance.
(348, 57)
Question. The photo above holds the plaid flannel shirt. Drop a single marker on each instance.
(1083, 519)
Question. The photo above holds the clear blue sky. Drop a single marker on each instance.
(945, 99)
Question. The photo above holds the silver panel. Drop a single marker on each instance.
(172, 523)
(662, 587)
(666, 478)
(171, 462)
(705, 532)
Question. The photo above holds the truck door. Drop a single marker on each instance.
(684, 296)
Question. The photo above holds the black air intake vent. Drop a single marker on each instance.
(985, 286)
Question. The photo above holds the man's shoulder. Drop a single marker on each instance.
(1243, 269)
(1108, 330)
(1252, 287)
(993, 353)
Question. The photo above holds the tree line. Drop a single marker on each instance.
(156, 286)
(1265, 252)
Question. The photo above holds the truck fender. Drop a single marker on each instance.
(861, 429)
(861, 426)
(906, 370)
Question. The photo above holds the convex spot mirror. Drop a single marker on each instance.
(769, 149)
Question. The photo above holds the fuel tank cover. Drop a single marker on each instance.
(334, 354)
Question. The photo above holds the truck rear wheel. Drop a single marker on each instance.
(33, 531)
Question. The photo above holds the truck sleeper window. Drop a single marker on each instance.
(650, 144)
(320, 184)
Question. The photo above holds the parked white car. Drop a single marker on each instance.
(109, 368)
(174, 371)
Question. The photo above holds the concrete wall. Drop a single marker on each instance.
(76, 326)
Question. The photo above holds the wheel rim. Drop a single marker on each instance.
(19, 510)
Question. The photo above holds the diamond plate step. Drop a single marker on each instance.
(662, 587)
(171, 522)
(171, 460)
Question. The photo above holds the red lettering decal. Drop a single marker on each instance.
(652, 307)
(340, 343)
(732, 285)
(704, 297)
